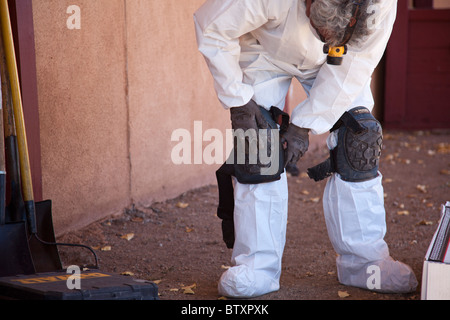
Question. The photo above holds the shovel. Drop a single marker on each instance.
(38, 217)
(15, 255)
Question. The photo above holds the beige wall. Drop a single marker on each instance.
(437, 4)
(441, 4)
(170, 88)
(110, 95)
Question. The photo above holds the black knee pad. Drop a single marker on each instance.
(357, 154)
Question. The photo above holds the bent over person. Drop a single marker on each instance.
(254, 48)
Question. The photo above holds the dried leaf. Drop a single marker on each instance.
(189, 229)
(182, 205)
(387, 180)
(444, 171)
(306, 192)
(304, 175)
(225, 267)
(188, 289)
(156, 281)
(315, 200)
(443, 148)
(424, 223)
(343, 294)
(406, 161)
(106, 248)
(127, 273)
(422, 188)
(137, 219)
(128, 236)
(174, 289)
(403, 212)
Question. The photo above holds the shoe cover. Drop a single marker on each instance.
(356, 223)
(385, 276)
(244, 282)
(355, 217)
(260, 218)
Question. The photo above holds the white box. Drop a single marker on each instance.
(435, 281)
(436, 267)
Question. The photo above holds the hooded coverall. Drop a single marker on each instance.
(254, 48)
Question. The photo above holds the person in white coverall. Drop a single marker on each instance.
(254, 48)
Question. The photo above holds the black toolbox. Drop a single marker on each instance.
(94, 285)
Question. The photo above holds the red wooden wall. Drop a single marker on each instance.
(417, 75)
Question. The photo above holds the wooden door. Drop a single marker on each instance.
(417, 74)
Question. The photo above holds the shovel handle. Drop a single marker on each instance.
(3, 106)
(10, 54)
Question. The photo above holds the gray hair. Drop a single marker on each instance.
(333, 16)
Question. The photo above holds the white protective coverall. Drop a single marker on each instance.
(253, 49)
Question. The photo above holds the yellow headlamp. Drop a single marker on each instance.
(335, 54)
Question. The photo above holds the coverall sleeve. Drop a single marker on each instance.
(219, 24)
(336, 89)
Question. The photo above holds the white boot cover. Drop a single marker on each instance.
(356, 223)
(260, 218)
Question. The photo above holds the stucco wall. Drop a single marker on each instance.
(110, 95)
(169, 88)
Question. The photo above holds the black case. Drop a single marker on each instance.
(95, 285)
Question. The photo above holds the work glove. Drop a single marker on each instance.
(296, 140)
(247, 117)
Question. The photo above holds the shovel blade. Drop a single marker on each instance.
(45, 256)
(15, 256)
